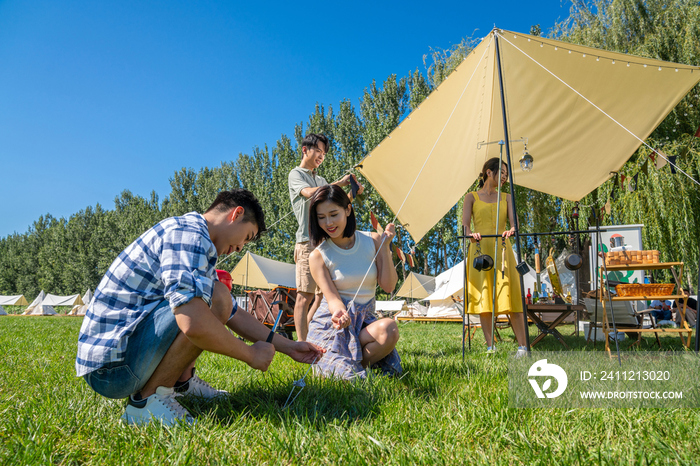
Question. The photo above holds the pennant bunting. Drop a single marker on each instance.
(661, 161)
(616, 183)
(400, 254)
(645, 168)
(373, 219)
(414, 261)
(652, 156)
(410, 260)
(622, 181)
(697, 133)
(672, 160)
(636, 179)
(608, 207)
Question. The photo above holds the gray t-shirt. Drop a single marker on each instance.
(301, 178)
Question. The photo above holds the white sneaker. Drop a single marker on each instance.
(198, 387)
(161, 406)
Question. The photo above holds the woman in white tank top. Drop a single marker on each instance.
(344, 267)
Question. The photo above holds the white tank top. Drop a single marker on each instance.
(348, 267)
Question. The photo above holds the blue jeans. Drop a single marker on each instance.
(145, 349)
(662, 314)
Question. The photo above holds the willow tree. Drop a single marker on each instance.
(664, 200)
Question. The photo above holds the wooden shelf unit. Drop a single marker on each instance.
(684, 328)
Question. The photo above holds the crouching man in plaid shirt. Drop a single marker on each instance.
(160, 305)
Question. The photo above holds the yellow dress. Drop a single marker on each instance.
(480, 284)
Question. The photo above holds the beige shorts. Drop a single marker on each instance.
(305, 282)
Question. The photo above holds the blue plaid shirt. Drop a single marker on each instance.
(174, 260)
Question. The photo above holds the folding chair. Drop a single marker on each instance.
(266, 305)
(626, 318)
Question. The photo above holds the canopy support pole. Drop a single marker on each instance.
(247, 272)
(512, 189)
(697, 321)
(495, 246)
(465, 300)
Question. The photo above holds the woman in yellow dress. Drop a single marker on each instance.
(480, 208)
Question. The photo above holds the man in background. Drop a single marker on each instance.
(304, 180)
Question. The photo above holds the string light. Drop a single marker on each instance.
(612, 60)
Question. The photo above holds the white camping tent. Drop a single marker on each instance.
(38, 308)
(390, 308)
(35, 303)
(449, 286)
(55, 300)
(413, 310)
(16, 300)
(572, 103)
(254, 271)
(81, 309)
(417, 286)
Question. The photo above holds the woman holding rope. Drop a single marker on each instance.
(344, 267)
(480, 208)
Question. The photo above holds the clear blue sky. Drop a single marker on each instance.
(101, 96)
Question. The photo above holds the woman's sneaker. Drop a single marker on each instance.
(161, 406)
(198, 387)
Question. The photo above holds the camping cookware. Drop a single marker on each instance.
(482, 262)
(573, 261)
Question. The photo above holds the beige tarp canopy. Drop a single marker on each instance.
(417, 286)
(584, 111)
(55, 300)
(254, 271)
(17, 300)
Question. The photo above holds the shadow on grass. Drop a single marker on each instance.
(325, 401)
(322, 401)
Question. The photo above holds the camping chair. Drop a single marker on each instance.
(266, 305)
(627, 319)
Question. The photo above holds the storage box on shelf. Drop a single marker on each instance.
(631, 257)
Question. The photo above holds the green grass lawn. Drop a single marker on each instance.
(442, 411)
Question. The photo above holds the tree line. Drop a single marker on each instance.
(66, 256)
